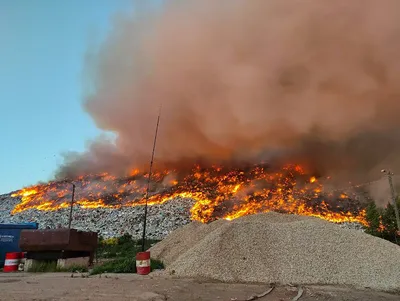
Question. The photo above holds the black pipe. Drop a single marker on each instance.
(72, 205)
(148, 184)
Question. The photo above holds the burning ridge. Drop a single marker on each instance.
(218, 193)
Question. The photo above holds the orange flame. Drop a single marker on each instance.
(217, 193)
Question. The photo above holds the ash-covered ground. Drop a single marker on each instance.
(162, 219)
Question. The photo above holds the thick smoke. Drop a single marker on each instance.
(315, 82)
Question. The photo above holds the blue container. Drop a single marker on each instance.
(9, 238)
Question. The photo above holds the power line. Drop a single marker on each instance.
(354, 186)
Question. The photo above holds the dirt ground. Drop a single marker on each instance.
(61, 286)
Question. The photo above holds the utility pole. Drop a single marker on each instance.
(148, 183)
(394, 197)
(72, 205)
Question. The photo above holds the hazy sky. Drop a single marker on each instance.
(42, 48)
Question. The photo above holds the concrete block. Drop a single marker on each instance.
(79, 261)
(28, 264)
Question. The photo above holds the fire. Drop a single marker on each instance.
(217, 192)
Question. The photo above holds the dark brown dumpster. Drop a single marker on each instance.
(58, 243)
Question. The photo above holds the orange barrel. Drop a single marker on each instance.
(143, 263)
(12, 261)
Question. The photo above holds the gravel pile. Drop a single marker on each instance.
(280, 248)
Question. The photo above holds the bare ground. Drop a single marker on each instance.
(60, 286)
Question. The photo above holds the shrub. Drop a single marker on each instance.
(43, 267)
(122, 251)
(123, 265)
(125, 239)
(123, 246)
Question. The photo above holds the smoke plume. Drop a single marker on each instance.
(315, 82)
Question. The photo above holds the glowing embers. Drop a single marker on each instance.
(218, 192)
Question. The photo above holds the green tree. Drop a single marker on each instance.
(373, 215)
(389, 219)
(389, 223)
(382, 222)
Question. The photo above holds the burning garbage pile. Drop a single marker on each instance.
(236, 83)
(251, 81)
(111, 205)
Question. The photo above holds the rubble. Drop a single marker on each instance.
(162, 219)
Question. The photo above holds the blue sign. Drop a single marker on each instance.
(9, 238)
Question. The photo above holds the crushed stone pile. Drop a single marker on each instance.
(279, 248)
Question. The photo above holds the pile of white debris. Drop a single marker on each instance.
(162, 219)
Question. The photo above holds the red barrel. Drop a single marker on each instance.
(143, 263)
(12, 261)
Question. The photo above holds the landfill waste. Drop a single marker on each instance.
(108, 222)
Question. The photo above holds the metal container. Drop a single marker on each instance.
(58, 240)
(143, 263)
(9, 238)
